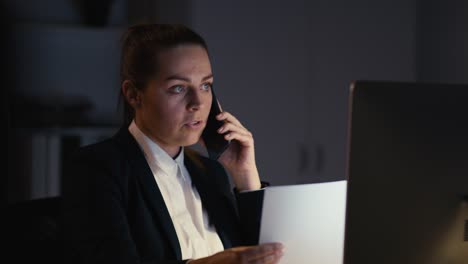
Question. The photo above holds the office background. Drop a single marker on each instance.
(282, 67)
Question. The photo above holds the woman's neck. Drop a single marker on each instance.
(172, 151)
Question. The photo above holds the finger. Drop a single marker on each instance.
(272, 254)
(242, 138)
(268, 259)
(273, 259)
(228, 117)
(262, 251)
(230, 127)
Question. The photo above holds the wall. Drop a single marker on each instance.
(285, 70)
(443, 41)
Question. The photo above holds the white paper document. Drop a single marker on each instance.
(309, 219)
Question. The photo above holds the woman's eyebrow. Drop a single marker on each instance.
(207, 77)
(182, 78)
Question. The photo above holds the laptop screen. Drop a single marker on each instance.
(407, 173)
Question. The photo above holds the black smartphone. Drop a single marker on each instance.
(214, 142)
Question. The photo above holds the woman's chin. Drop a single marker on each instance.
(189, 141)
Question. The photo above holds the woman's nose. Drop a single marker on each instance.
(196, 100)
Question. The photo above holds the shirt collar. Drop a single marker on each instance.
(154, 153)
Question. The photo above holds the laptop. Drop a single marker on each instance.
(405, 196)
(407, 173)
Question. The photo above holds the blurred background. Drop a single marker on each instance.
(282, 67)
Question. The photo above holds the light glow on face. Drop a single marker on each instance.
(176, 103)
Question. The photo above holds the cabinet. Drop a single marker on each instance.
(38, 156)
(66, 79)
(65, 88)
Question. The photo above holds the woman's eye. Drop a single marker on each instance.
(177, 89)
(206, 86)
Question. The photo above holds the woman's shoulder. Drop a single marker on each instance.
(111, 148)
(106, 152)
(98, 150)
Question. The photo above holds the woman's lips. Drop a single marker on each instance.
(196, 124)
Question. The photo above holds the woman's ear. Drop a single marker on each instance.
(131, 94)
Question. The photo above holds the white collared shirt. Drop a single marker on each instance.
(197, 238)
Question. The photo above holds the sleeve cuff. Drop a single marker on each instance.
(263, 185)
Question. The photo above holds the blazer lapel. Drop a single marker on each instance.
(199, 175)
(150, 189)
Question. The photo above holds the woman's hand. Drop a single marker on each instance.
(239, 158)
(265, 253)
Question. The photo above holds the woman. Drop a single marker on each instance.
(141, 196)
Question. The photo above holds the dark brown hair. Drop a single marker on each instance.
(141, 45)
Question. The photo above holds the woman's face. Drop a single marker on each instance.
(175, 104)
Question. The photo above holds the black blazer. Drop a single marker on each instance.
(114, 211)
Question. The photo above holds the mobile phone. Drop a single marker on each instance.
(214, 142)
